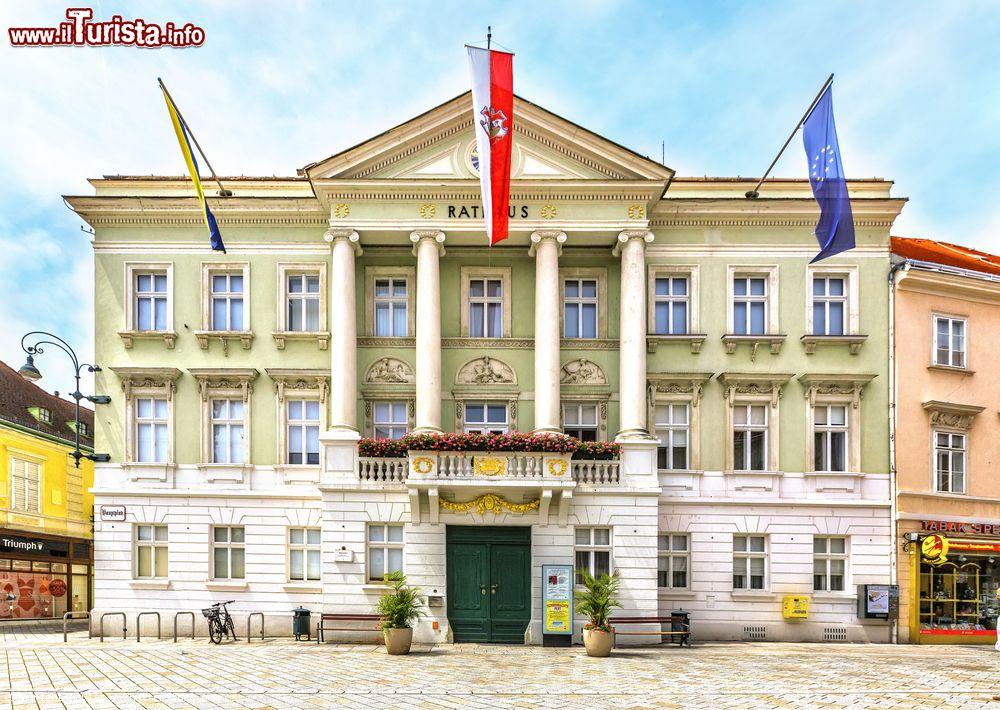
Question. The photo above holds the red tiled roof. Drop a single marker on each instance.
(946, 254)
(18, 394)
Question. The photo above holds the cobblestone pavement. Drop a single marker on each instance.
(38, 670)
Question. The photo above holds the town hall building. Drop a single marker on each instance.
(747, 389)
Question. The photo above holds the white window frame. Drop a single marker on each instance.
(665, 550)
(600, 275)
(827, 556)
(286, 271)
(154, 421)
(578, 408)
(378, 273)
(35, 464)
(747, 429)
(132, 271)
(951, 452)
(308, 550)
(770, 275)
(228, 545)
(691, 272)
(747, 555)
(472, 273)
(665, 429)
(826, 430)
(156, 545)
(385, 545)
(391, 425)
(298, 384)
(591, 547)
(670, 299)
(228, 423)
(485, 302)
(304, 424)
(394, 302)
(951, 319)
(580, 301)
(485, 427)
(209, 269)
(851, 298)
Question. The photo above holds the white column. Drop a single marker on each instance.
(428, 248)
(345, 247)
(546, 246)
(631, 248)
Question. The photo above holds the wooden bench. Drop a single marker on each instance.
(682, 636)
(334, 622)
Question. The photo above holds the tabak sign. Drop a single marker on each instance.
(957, 528)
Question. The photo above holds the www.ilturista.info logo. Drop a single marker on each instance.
(82, 31)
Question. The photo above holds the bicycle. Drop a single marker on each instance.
(220, 622)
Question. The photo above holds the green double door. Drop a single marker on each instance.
(489, 583)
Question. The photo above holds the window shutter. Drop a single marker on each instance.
(25, 486)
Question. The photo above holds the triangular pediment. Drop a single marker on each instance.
(440, 144)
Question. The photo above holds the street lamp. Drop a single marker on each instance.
(31, 373)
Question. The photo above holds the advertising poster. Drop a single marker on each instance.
(557, 599)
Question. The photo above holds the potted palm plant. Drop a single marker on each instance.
(596, 601)
(398, 608)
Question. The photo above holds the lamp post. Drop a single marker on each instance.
(29, 372)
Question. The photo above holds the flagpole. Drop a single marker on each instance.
(223, 192)
(754, 194)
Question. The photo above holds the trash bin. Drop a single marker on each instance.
(300, 623)
(679, 621)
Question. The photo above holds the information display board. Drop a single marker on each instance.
(557, 599)
(878, 601)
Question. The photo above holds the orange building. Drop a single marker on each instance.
(946, 321)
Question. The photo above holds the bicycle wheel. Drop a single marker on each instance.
(214, 630)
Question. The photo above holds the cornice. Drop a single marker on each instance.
(935, 283)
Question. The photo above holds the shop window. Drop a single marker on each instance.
(25, 485)
(749, 562)
(151, 552)
(829, 564)
(303, 554)
(228, 553)
(673, 429)
(949, 458)
(580, 421)
(593, 551)
(385, 550)
(960, 596)
(672, 561)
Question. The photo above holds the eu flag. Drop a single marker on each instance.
(835, 229)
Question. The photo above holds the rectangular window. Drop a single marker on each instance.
(486, 418)
(228, 553)
(302, 296)
(593, 551)
(949, 457)
(151, 432)
(749, 561)
(25, 485)
(949, 343)
(303, 554)
(672, 303)
(303, 431)
(829, 304)
(830, 437)
(390, 308)
(389, 420)
(580, 308)
(750, 437)
(385, 550)
(829, 564)
(672, 561)
(151, 552)
(228, 439)
(750, 305)
(227, 301)
(673, 428)
(486, 308)
(580, 421)
(151, 301)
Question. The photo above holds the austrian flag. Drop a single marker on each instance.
(492, 75)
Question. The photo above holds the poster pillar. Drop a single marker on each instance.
(557, 605)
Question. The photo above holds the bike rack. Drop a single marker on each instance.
(124, 623)
(250, 618)
(189, 613)
(69, 615)
(138, 624)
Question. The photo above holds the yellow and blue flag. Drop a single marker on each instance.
(192, 165)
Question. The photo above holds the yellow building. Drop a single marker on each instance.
(46, 507)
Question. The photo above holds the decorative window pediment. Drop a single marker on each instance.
(219, 378)
(147, 378)
(951, 415)
(753, 384)
(295, 380)
(835, 385)
(690, 384)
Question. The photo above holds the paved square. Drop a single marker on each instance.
(39, 671)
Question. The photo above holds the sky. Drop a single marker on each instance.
(278, 85)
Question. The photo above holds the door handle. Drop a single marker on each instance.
(482, 589)
(493, 589)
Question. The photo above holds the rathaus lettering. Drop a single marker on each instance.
(473, 211)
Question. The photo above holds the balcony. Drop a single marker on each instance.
(486, 467)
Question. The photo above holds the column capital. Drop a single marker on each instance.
(537, 237)
(354, 239)
(436, 234)
(628, 235)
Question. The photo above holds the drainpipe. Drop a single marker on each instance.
(893, 561)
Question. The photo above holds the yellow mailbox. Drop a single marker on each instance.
(795, 607)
